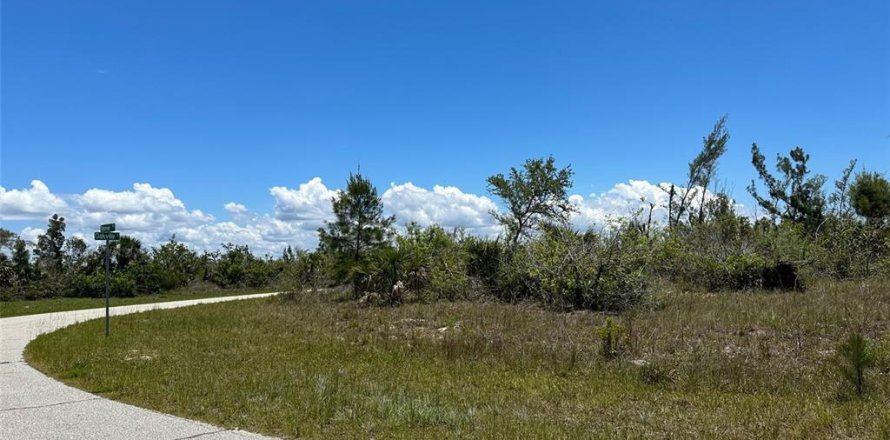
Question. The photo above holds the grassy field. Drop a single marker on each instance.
(734, 365)
(48, 305)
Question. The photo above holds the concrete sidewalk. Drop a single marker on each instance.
(34, 406)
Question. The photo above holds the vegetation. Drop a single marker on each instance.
(808, 236)
(714, 325)
(359, 229)
(687, 365)
(65, 267)
(855, 356)
(870, 196)
(534, 195)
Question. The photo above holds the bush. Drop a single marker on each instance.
(611, 337)
(687, 260)
(303, 271)
(566, 268)
(93, 285)
(484, 259)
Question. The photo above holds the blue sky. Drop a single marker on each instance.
(221, 101)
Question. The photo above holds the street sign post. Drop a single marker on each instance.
(106, 233)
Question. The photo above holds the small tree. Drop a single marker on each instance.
(795, 195)
(855, 356)
(359, 226)
(870, 196)
(534, 194)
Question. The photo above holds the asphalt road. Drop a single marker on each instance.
(34, 406)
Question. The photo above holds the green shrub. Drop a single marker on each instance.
(93, 285)
(565, 268)
(484, 259)
(611, 337)
(302, 271)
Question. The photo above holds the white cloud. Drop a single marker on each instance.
(309, 204)
(626, 199)
(446, 206)
(152, 214)
(33, 203)
(143, 198)
(30, 234)
(144, 210)
(236, 209)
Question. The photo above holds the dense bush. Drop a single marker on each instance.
(567, 268)
(428, 262)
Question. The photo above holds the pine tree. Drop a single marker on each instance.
(870, 196)
(359, 226)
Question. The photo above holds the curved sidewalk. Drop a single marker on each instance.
(34, 406)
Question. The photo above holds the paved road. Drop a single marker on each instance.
(34, 406)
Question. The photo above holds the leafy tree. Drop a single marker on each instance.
(359, 226)
(534, 194)
(793, 196)
(50, 246)
(75, 254)
(702, 170)
(870, 196)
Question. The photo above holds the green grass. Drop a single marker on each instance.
(49, 305)
(735, 365)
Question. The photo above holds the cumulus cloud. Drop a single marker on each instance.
(36, 202)
(235, 209)
(446, 206)
(144, 209)
(310, 204)
(152, 214)
(626, 199)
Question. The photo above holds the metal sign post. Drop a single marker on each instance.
(107, 233)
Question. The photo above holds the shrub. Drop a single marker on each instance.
(611, 337)
(303, 271)
(426, 261)
(484, 261)
(565, 268)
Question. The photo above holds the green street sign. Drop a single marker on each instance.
(107, 235)
(107, 228)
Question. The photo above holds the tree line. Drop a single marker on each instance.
(804, 233)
